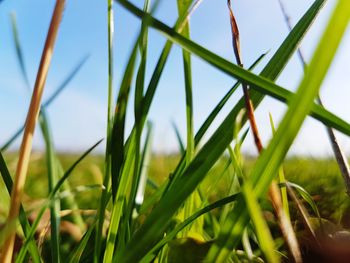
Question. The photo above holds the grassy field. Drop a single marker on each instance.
(208, 203)
(320, 178)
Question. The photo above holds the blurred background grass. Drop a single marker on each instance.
(320, 177)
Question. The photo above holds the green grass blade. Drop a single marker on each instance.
(52, 180)
(261, 84)
(110, 116)
(139, 93)
(267, 164)
(118, 133)
(266, 242)
(154, 226)
(306, 196)
(182, 6)
(121, 181)
(205, 126)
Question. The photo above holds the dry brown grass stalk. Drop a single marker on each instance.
(33, 112)
(274, 193)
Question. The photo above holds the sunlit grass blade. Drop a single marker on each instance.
(338, 152)
(48, 102)
(261, 84)
(182, 6)
(189, 206)
(110, 117)
(268, 163)
(155, 224)
(121, 182)
(51, 197)
(266, 242)
(138, 109)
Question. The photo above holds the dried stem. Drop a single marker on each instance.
(274, 194)
(33, 112)
(338, 153)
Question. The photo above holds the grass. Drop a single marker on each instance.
(207, 202)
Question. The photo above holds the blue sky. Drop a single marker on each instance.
(78, 116)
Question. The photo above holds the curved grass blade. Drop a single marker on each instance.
(110, 116)
(306, 196)
(268, 163)
(259, 83)
(156, 223)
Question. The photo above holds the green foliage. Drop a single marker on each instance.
(201, 204)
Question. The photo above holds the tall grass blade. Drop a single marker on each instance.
(266, 242)
(52, 180)
(261, 84)
(121, 181)
(110, 117)
(154, 226)
(268, 163)
(30, 126)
